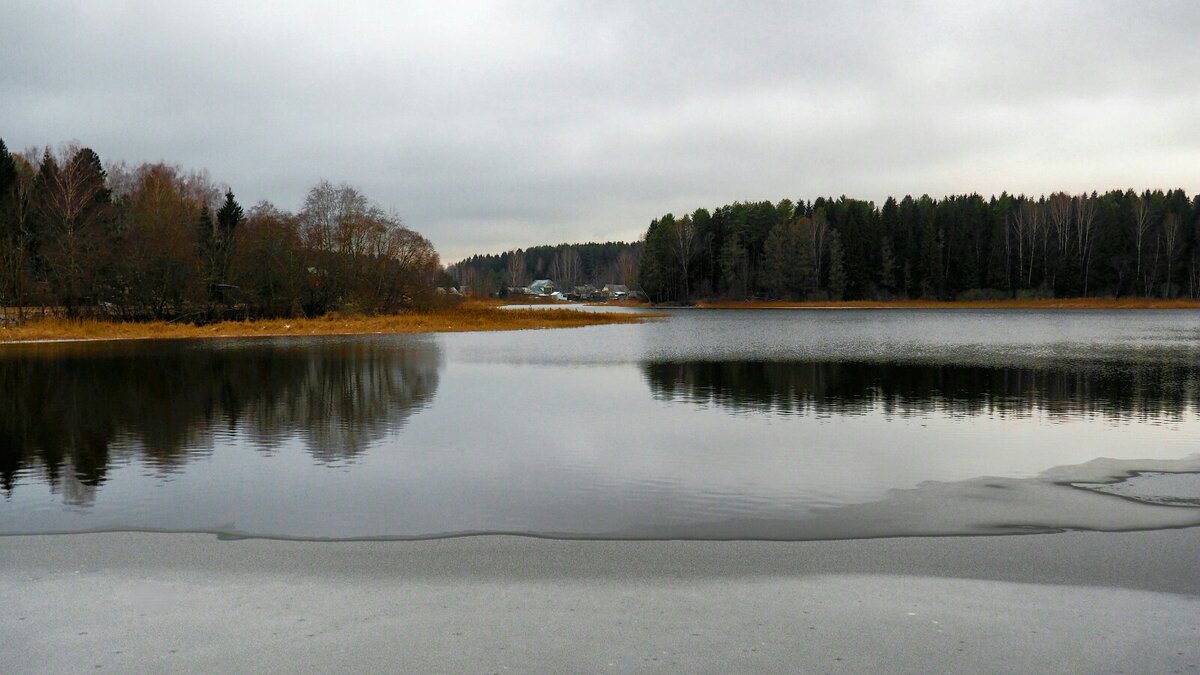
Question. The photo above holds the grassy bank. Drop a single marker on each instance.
(469, 316)
(1051, 303)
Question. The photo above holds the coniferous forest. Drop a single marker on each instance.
(1119, 243)
(157, 242)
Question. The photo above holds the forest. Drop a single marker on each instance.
(962, 247)
(154, 241)
(569, 265)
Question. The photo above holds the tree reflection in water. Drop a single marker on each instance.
(1120, 392)
(70, 411)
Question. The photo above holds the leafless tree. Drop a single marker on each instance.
(1019, 224)
(76, 212)
(161, 209)
(516, 268)
(627, 267)
(1036, 226)
(566, 268)
(1085, 217)
(334, 217)
(1142, 220)
(820, 232)
(684, 247)
(1060, 207)
(1171, 231)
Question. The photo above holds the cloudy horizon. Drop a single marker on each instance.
(489, 126)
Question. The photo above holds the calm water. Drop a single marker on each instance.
(772, 424)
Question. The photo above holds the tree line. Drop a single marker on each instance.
(568, 265)
(154, 241)
(1119, 243)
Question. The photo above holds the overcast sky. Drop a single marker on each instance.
(494, 125)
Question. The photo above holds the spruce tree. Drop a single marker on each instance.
(8, 171)
(228, 219)
(8, 195)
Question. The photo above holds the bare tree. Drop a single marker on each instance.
(75, 209)
(160, 210)
(1141, 225)
(570, 268)
(467, 277)
(1037, 222)
(565, 268)
(627, 267)
(1085, 216)
(1060, 207)
(516, 268)
(1019, 224)
(684, 247)
(820, 232)
(334, 217)
(1171, 231)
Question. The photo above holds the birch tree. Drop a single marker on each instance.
(683, 248)
(1141, 225)
(1085, 217)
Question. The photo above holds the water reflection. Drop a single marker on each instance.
(1120, 392)
(72, 411)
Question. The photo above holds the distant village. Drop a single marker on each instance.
(546, 288)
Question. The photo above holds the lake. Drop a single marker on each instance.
(763, 424)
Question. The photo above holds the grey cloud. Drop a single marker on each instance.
(490, 125)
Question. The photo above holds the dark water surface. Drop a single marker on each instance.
(722, 424)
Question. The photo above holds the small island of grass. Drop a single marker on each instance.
(467, 316)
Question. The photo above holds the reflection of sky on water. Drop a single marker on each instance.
(537, 432)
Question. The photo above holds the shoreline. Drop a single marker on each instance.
(1008, 304)
(1052, 303)
(135, 602)
(472, 317)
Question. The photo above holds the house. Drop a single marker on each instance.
(615, 291)
(542, 287)
(583, 293)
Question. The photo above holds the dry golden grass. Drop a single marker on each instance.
(1060, 303)
(469, 316)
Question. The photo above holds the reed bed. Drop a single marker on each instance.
(469, 316)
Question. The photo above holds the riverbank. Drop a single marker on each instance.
(129, 602)
(469, 316)
(1047, 303)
